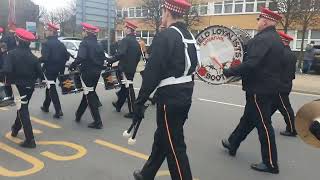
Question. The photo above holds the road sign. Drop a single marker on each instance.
(100, 13)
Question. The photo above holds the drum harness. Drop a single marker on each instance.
(185, 78)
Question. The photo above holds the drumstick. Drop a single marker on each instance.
(216, 61)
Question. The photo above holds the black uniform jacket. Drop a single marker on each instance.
(21, 67)
(289, 70)
(54, 55)
(91, 55)
(168, 60)
(261, 69)
(128, 54)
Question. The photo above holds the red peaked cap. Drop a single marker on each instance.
(90, 28)
(178, 6)
(285, 37)
(52, 27)
(131, 25)
(1, 30)
(25, 35)
(268, 14)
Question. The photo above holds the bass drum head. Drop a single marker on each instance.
(306, 115)
(243, 35)
(220, 48)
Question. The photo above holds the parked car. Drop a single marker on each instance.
(316, 63)
(72, 47)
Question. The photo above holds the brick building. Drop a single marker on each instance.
(239, 13)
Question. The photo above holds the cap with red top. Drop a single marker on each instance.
(268, 14)
(24, 35)
(131, 25)
(52, 27)
(89, 28)
(285, 37)
(1, 30)
(177, 6)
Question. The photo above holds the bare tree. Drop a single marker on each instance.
(290, 11)
(309, 16)
(154, 12)
(192, 17)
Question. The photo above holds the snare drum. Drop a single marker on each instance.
(6, 96)
(111, 78)
(71, 83)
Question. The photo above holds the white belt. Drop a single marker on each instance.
(125, 81)
(173, 80)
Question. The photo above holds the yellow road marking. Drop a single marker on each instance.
(122, 149)
(81, 151)
(37, 165)
(4, 109)
(45, 123)
(131, 153)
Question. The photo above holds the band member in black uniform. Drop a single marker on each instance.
(128, 55)
(91, 58)
(22, 69)
(170, 72)
(9, 39)
(260, 73)
(282, 101)
(54, 57)
(1, 33)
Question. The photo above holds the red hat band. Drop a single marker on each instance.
(268, 14)
(178, 6)
(90, 28)
(285, 37)
(1, 30)
(52, 27)
(24, 35)
(130, 25)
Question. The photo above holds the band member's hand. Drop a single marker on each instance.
(139, 111)
(227, 72)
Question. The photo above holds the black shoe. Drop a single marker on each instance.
(14, 132)
(78, 119)
(261, 167)
(28, 144)
(287, 133)
(99, 104)
(227, 145)
(58, 115)
(115, 105)
(95, 125)
(137, 175)
(43, 109)
(128, 115)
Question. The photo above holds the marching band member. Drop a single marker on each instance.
(91, 58)
(282, 101)
(128, 55)
(1, 32)
(261, 72)
(22, 69)
(170, 70)
(54, 57)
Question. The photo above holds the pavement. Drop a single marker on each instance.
(70, 151)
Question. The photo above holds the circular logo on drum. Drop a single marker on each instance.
(220, 48)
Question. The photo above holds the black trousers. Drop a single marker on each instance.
(282, 103)
(126, 93)
(257, 114)
(52, 94)
(91, 80)
(23, 116)
(169, 144)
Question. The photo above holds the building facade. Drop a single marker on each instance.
(238, 13)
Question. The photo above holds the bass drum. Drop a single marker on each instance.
(220, 48)
(71, 83)
(243, 35)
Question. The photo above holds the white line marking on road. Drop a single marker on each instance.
(218, 102)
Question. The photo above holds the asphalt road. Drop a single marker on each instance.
(70, 151)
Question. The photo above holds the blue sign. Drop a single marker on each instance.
(101, 13)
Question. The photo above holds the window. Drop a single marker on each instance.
(273, 5)
(238, 7)
(300, 35)
(119, 13)
(195, 9)
(131, 12)
(228, 6)
(250, 5)
(260, 4)
(144, 34)
(144, 12)
(315, 34)
(138, 12)
(125, 13)
(138, 33)
(217, 8)
(203, 9)
(299, 39)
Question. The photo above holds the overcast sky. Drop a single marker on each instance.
(52, 4)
